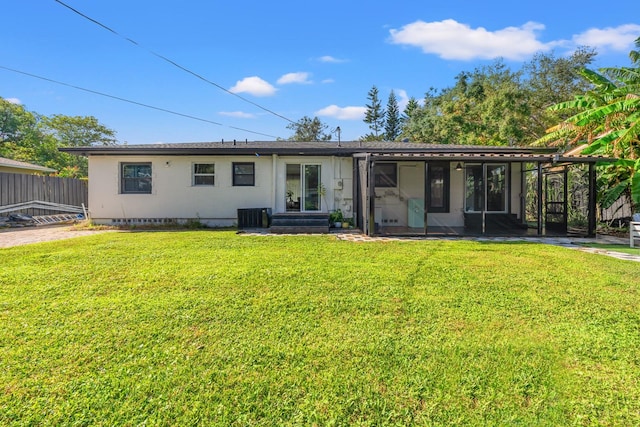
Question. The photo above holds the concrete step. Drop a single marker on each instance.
(300, 222)
(295, 229)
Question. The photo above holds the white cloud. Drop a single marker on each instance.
(331, 59)
(237, 114)
(450, 39)
(13, 101)
(402, 98)
(299, 77)
(325, 81)
(253, 85)
(611, 38)
(342, 113)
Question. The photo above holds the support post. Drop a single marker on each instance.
(371, 194)
(565, 200)
(484, 198)
(355, 193)
(591, 232)
(426, 196)
(540, 197)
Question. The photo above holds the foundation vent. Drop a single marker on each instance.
(138, 221)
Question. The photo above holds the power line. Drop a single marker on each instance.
(175, 64)
(133, 102)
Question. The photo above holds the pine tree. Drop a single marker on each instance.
(392, 127)
(374, 115)
(411, 107)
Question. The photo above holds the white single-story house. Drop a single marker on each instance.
(385, 187)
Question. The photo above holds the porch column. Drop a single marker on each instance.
(425, 201)
(539, 198)
(371, 194)
(591, 231)
(355, 193)
(565, 204)
(484, 191)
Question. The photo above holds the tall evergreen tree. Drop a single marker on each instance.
(393, 123)
(411, 107)
(374, 115)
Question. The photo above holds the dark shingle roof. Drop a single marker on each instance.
(293, 148)
(379, 150)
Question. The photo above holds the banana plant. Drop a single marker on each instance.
(608, 121)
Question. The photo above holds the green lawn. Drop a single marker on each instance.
(212, 328)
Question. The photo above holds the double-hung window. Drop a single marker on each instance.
(244, 174)
(204, 174)
(135, 178)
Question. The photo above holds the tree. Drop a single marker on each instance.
(20, 137)
(411, 107)
(15, 122)
(77, 131)
(393, 123)
(374, 116)
(484, 107)
(29, 137)
(411, 120)
(548, 81)
(307, 129)
(494, 105)
(608, 120)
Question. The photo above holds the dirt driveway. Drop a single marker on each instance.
(23, 236)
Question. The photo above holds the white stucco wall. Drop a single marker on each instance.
(175, 197)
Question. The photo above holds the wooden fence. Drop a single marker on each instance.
(620, 210)
(19, 188)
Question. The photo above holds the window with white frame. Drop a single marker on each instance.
(135, 178)
(204, 174)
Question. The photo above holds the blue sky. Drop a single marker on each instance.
(286, 59)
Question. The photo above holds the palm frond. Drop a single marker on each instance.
(624, 105)
(635, 187)
(580, 102)
(597, 147)
(625, 75)
(557, 135)
(597, 79)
